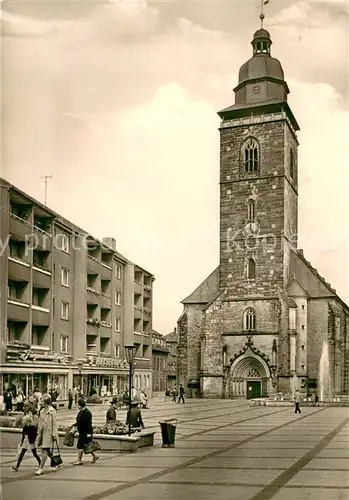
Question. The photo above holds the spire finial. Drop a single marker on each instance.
(262, 16)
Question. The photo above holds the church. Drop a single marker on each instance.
(261, 322)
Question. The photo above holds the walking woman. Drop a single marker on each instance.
(85, 430)
(48, 431)
(29, 434)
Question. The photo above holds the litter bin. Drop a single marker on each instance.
(168, 432)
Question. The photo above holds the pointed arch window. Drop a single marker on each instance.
(251, 156)
(251, 210)
(292, 164)
(249, 319)
(251, 269)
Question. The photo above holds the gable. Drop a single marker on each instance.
(308, 278)
(206, 291)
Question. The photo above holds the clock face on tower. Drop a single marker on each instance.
(251, 229)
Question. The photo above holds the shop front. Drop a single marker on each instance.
(104, 376)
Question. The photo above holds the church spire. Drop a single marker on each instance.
(262, 16)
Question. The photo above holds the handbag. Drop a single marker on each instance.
(92, 447)
(69, 437)
(56, 459)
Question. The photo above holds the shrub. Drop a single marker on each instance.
(95, 399)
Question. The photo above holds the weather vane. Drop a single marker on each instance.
(262, 16)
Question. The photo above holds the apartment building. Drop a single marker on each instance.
(159, 356)
(68, 304)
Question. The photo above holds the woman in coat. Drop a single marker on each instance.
(29, 434)
(48, 430)
(85, 430)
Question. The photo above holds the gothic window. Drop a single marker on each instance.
(251, 269)
(291, 164)
(251, 210)
(251, 156)
(249, 319)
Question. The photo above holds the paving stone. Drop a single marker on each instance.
(336, 479)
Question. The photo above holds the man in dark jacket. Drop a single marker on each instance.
(134, 416)
(111, 413)
(181, 394)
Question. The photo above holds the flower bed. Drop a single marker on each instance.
(116, 428)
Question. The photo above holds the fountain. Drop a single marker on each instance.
(294, 384)
(324, 374)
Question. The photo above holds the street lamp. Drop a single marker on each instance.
(273, 366)
(80, 363)
(130, 352)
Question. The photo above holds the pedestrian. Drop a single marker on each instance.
(29, 434)
(47, 431)
(70, 399)
(181, 394)
(20, 400)
(112, 411)
(316, 399)
(143, 399)
(297, 400)
(134, 416)
(38, 395)
(174, 395)
(85, 431)
(8, 401)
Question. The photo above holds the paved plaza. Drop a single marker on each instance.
(224, 450)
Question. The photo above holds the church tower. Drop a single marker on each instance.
(258, 178)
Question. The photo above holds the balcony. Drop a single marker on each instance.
(93, 265)
(40, 316)
(19, 228)
(105, 300)
(146, 311)
(18, 270)
(106, 270)
(92, 328)
(41, 277)
(42, 239)
(17, 310)
(137, 312)
(138, 287)
(92, 296)
(105, 331)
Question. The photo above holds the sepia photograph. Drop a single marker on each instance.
(174, 250)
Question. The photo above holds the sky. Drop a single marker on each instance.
(118, 101)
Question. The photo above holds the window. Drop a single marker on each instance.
(292, 318)
(291, 163)
(251, 210)
(65, 310)
(65, 243)
(64, 343)
(251, 156)
(251, 269)
(65, 277)
(249, 320)
(118, 298)
(117, 324)
(118, 272)
(117, 351)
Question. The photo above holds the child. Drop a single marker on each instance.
(29, 434)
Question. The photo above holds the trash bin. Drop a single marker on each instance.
(168, 432)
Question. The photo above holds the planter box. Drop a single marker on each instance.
(10, 438)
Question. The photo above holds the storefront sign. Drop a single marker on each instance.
(29, 355)
(107, 362)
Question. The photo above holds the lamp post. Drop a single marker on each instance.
(130, 352)
(79, 363)
(273, 366)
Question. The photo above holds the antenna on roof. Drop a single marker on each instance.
(262, 16)
(45, 177)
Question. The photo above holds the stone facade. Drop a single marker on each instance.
(259, 323)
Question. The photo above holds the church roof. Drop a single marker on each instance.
(205, 291)
(261, 66)
(314, 284)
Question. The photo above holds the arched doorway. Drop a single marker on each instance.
(249, 376)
